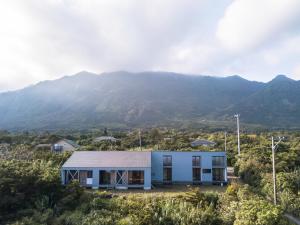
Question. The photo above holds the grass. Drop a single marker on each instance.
(167, 191)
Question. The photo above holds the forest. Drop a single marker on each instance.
(31, 191)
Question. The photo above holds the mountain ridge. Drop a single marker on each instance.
(148, 98)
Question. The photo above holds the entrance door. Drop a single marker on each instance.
(82, 177)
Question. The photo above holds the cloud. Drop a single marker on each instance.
(48, 39)
(44, 39)
(247, 24)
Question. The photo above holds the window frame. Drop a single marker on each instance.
(219, 175)
(167, 169)
(134, 180)
(218, 161)
(195, 159)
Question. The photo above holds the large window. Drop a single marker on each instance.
(196, 161)
(196, 166)
(167, 160)
(84, 175)
(218, 161)
(167, 168)
(104, 177)
(218, 174)
(136, 177)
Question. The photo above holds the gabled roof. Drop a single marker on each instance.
(109, 159)
(70, 142)
(105, 138)
(203, 143)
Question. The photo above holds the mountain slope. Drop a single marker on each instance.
(89, 100)
(121, 98)
(275, 105)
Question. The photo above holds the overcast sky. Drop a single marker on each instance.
(47, 39)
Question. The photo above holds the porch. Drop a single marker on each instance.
(109, 178)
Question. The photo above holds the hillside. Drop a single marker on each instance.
(120, 99)
(276, 105)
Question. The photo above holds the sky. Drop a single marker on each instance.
(45, 40)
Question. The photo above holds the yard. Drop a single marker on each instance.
(169, 190)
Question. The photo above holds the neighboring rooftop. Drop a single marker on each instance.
(109, 159)
(73, 143)
(105, 138)
(202, 143)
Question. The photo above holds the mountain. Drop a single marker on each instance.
(275, 105)
(119, 99)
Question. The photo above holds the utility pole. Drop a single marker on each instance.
(140, 138)
(237, 116)
(225, 134)
(274, 170)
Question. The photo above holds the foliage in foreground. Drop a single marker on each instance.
(31, 193)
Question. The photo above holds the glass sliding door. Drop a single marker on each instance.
(167, 169)
(104, 177)
(136, 177)
(167, 175)
(85, 177)
(196, 166)
(196, 175)
(218, 174)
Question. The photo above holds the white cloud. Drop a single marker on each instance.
(296, 72)
(249, 23)
(46, 39)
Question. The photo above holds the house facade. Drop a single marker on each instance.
(128, 169)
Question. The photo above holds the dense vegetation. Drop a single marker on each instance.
(31, 193)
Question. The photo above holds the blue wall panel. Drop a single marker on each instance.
(182, 165)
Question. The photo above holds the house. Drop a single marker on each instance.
(204, 143)
(132, 169)
(116, 169)
(64, 145)
(105, 138)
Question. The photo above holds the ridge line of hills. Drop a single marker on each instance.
(123, 99)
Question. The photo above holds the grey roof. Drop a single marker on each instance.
(73, 143)
(108, 159)
(105, 138)
(202, 142)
